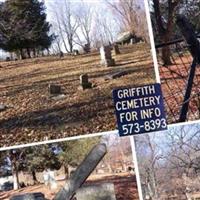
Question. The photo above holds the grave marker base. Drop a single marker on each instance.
(104, 191)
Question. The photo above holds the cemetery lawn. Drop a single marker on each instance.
(125, 188)
(32, 115)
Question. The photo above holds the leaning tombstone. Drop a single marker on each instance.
(106, 56)
(84, 82)
(82, 172)
(116, 49)
(54, 89)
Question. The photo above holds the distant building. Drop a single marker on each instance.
(127, 38)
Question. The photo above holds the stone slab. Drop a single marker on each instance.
(116, 75)
(104, 191)
(29, 196)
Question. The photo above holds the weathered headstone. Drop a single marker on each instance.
(106, 56)
(75, 52)
(54, 89)
(82, 172)
(86, 48)
(84, 82)
(132, 41)
(116, 49)
(2, 107)
(104, 191)
(29, 196)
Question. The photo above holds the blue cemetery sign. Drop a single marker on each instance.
(139, 110)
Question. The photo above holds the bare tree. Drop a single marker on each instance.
(165, 24)
(126, 13)
(130, 16)
(150, 155)
(105, 29)
(84, 16)
(169, 162)
(65, 23)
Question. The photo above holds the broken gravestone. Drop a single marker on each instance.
(84, 82)
(29, 196)
(103, 191)
(54, 89)
(106, 56)
(116, 49)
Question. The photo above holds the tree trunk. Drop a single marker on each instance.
(35, 181)
(166, 53)
(34, 53)
(110, 170)
(21, 54)
(166, 56)
(66, 170)
(28, 52)
(15, 176)
(70, 47)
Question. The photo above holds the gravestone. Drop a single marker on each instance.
(2, 107)
(75, 52)
(132, 41)
(116, 49)
(104, 191)
(54, 89)
(29, 196)
(106, 56)
(82, 172)
(52, 180)
(86, 48)
(84, 82)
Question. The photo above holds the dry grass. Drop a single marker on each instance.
(33, 116)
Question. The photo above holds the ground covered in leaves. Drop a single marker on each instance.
(32, 115)
(125, 188)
